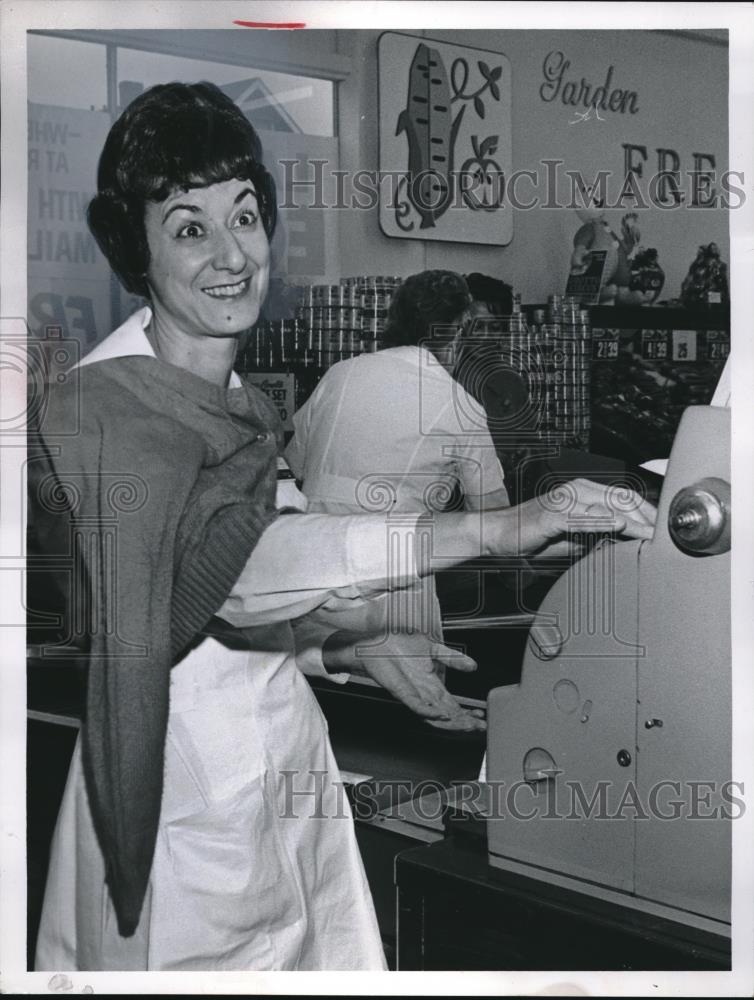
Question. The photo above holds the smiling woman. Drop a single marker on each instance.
(187, 224)
(209, 261)
(203, 825)
(168, 853)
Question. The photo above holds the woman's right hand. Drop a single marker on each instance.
(552, 523)
(551, 526)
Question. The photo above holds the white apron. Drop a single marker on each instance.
(256, 864)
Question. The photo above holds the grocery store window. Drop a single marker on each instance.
(76, 88)
(66, 73)
(295, 115)
(70, 73)
(273, 102)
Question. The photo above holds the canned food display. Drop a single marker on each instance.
(550, 349)
(345, 319)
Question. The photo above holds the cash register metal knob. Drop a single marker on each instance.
(539, 765)
(545, 640)
(699, 518)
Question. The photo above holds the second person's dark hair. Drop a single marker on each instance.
(424, 301)
(494, 293)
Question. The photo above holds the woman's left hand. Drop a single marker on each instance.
(406, 666)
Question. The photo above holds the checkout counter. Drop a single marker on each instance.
(616, 677)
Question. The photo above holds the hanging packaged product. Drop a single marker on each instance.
(707, 280)
(647, 277)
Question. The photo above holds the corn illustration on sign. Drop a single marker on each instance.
(445, 141)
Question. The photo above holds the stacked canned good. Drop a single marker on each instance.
(537, 369)
(567, 352)
(346, 319)
(324, 314)
(520, 353)
(274, 345)
(333, 322)
(274, 356)
(551, 351)
(375, 295)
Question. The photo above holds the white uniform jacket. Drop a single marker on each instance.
(393, 432)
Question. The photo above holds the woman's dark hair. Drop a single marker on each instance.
(424, 301)
(495, 294)
(172, 137)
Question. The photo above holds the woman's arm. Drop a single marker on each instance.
(306, 561)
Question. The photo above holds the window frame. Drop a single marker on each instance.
(280, 56)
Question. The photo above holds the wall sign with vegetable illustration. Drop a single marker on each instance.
(445, 141)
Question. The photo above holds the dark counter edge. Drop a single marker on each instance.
(463, 857)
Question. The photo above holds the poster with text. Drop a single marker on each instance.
(68, 277)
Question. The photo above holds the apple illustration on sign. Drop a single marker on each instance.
(482, 178)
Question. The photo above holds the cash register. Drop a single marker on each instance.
(609, 796)
(621, 724)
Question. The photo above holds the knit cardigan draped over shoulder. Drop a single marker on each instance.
(152, 487)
